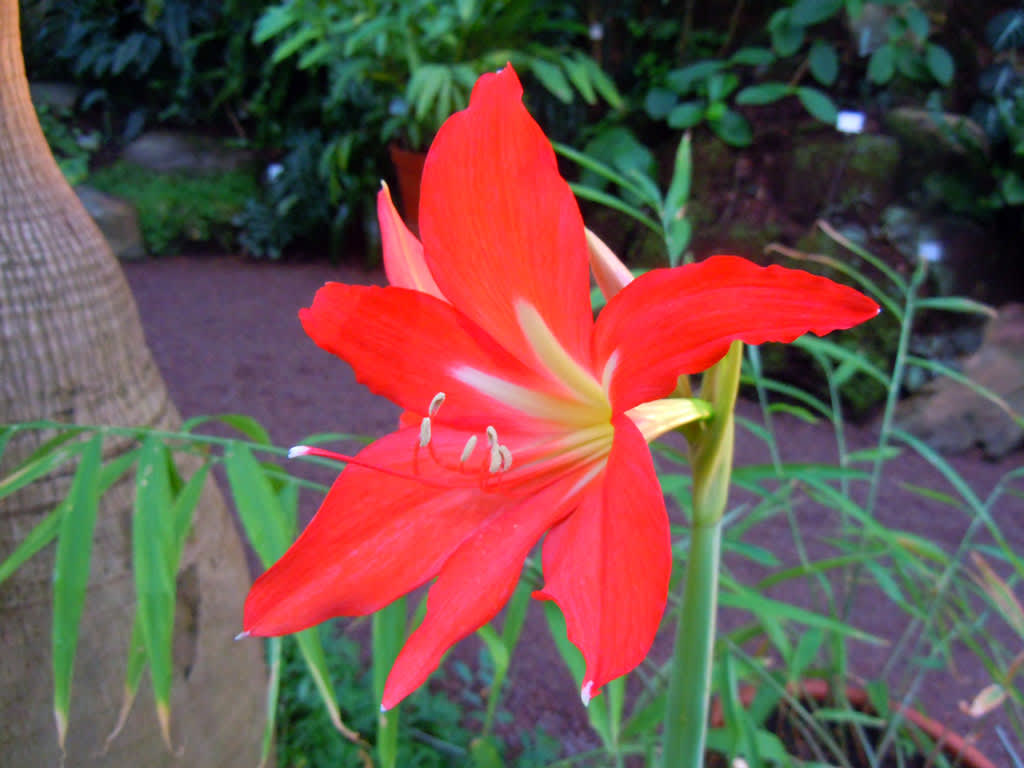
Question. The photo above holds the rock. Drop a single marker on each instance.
(58, 96)
(952, 418)
(167, 151)
(933, 139)
(830, 170)
(118, 221)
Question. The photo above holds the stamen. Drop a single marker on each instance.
(425, 432)
(495, 464)
(436, 403)
(506, 458)
(492, 437)
(311, 450)
(468, 450)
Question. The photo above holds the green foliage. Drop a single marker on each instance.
(423, 57)
(292, 204)
(999, 109)
(182, 60)
(180, 208)
(72, 147)
(800, 41)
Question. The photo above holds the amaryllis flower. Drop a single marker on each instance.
(524, 417)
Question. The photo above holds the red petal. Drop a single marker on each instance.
(499, 224)
(403, 253)
(375, 537)
(407, 346)
(671, 322)
(608, 564)
(477, 581)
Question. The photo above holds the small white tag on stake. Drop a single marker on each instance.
(929, 250)
(850, 122)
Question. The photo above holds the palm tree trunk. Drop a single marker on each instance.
(72, 349)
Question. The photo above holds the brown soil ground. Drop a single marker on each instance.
(225, 334)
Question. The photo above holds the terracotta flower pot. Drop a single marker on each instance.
(409, 170)
(952, 745)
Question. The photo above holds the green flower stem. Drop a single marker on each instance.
(388, 631)
(689, 692)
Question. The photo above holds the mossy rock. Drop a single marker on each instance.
(835, 172)
(180, 208)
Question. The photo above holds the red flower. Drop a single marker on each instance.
(546, 413)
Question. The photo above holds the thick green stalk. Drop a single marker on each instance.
(689, 692)
(388, 630)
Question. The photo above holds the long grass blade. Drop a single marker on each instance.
(274, 645)
(270, 527)
(71, 576)
(153, 558)
(46, 529)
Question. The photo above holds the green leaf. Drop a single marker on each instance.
(809, 12)
(940, 63)
(274, 645)
(1011, 187)
(268, 527)
(312, 650)
(882, 65)
(496, 647)
(40, 464)
(134, 668)
(552, 78)
(917, 23)
(823, 62)
(787, 38)
(659, 102)
(46, 529)
(154, 563)
(246, 425)
(484, 753)
(292, 45)
(956, 304)
(807, 648)
(604, 84)
(753, 57)
(733, 129)
(577, 72)
(849, 717)
(274, 20)
(818, 104)
(765, 608)
(388, 633)
(677, 238)
(763, 93)
(686, 79)
(686, 115)
(71, 576)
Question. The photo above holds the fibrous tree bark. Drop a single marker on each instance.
(72, 350)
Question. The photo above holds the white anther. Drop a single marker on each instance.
(495, 465)
(435, 404)
(468, 450)
(492, 438)
(298, 450)
(425, 432)
(506, 458)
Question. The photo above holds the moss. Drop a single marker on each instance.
(178, 208)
